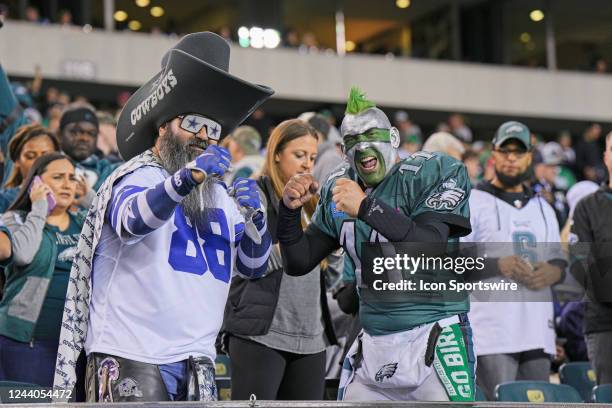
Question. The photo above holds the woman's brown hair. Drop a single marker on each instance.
(282, 134)
(22, 201)
(23, 135)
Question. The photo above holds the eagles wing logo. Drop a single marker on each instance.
(446, 197)
(386, 371)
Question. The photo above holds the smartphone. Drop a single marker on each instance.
(51, 203)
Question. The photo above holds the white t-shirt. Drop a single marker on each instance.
(523, 324)
(160, 298)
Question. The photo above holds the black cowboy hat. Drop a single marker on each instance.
(194, 79)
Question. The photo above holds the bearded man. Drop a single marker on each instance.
(514, 336)
(375, 197)
(164, 236)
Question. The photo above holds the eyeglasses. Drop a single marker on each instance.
(518, 153)
(194, 123)
(78, 130)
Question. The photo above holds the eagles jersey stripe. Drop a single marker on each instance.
(424, 183)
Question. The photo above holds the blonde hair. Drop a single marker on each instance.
(281, 135)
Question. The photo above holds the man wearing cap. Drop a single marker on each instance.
(244, 145)
(513, 330)
(164, 235)
(79, 129)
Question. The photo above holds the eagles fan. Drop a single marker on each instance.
(408, 350)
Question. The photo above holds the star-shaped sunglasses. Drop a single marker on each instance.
(194, 123)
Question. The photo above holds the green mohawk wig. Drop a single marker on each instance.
(357, 102)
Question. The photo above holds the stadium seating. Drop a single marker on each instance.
(602, 394)
(579, 375)
(480, 396)
(536, 391)
(223, 373)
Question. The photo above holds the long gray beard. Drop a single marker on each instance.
(174, 156)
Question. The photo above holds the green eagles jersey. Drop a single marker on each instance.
(422, 183)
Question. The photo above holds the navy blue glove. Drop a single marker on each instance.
(246, 193)
(214, 161)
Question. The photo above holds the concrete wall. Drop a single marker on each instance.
(132, 58)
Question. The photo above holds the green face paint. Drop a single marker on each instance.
(372, 135)
(370, 177)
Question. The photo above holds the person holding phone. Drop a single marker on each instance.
(29, 143)
(44, 238)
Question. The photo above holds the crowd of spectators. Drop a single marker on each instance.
(62, 140)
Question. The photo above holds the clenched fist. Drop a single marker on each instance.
(298, 190)
(348, 196)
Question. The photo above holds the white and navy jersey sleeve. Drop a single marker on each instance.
(145, 200)
(252, 258)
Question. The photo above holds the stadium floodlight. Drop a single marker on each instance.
(134, 25)
(536, 15)
(243, 32)
(271, 38)
(157, 11)
(244, 42)
(120, 16)
(142, 3)
(255, 32)
(402, 3)
(257, 37)
(257, 42)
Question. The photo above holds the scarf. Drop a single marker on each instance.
(78, 296)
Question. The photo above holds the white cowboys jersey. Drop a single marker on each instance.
(522, 324)
(160, 298)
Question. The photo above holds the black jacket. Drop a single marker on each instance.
(591, 250)
(251, 304)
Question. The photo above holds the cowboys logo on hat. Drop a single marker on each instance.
(194, 79)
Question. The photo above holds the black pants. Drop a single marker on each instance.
(274, 375)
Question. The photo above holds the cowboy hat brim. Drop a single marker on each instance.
(186, 85)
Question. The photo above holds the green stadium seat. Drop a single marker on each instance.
(224, 389)
(222, 366)
(536, 391)
(223, 373)
(580, 376)
(602, 394)
(480, 396)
